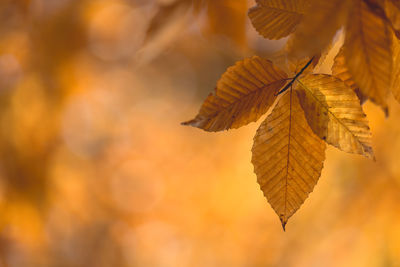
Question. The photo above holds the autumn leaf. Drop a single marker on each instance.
(243, 94)
(367, 49)
(275, 19)
(315, 33)
(341, 71)
(334, 113)
(287, 157)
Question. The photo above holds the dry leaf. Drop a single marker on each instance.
(315, 33)
(243, 94)
(334, 113)
(275, 19)
(340, 70)
(367, 50)
(287, 157)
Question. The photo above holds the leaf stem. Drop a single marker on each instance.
(295, 77)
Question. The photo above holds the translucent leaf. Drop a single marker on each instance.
(368, 53)
(244, 93)
(334, 113)
(287, 157)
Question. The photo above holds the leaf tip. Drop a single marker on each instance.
(284, 222)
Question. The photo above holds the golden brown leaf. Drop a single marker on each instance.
(367, 50)
(275, 19)
(243, 94)
(287, 157)
(340, 70)
(315, 33)
(334, 113)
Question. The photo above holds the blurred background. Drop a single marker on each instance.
(96, 170)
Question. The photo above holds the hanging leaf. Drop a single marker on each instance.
(334, 113)
(244, 93)
(368, 53)
(275, 19)
(287, 157)
(340, 70)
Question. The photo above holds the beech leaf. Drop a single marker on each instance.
(244, 93)
(334, 113)
(368, 53)
(287, 157)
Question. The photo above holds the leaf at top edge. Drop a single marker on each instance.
(275, 19)
(368, 53)
(287, 157)
(340, 70)
(244, 93)
(334, 113)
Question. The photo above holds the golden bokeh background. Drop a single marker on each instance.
(96, 170)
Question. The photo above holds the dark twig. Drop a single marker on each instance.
(295, 77)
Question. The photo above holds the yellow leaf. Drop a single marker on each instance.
(340, 70)
(275, 19)
(243, 94)
(315, 33)
(287, 157)
(334, 113)
(368, 53)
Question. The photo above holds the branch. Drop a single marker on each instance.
(295, 77)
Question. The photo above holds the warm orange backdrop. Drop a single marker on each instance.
(95, 169)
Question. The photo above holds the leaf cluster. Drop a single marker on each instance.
(308, 110)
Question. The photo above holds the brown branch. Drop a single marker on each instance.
(295, 77)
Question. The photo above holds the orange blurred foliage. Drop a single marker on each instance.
(96, 170)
